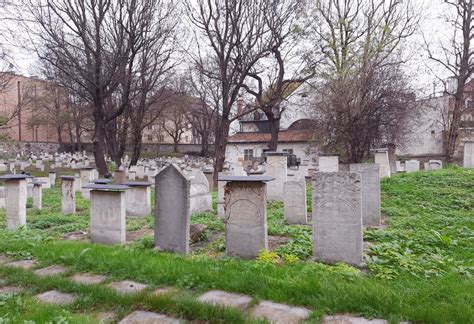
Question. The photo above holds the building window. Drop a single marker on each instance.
(248, 154)
(432, 132)
(150, 138)
(161, 138)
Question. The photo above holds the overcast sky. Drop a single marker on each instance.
(432, 26)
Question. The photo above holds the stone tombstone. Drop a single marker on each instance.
(131, 175)
(172, 191)
(68, 195)
(412, 166)
(468, 155)
(2, 197)
(210, 179)
(38, 195)
(370, 191)
(52, 178)
(140, 172)
(107, 213)
(328, 163)
(276, 168)
(246, 215)
(381, 158)
(337, 217)
(435, 165)
(392, 158)
(119, 176)
(200, 196)
(400, 166)
(15, 200)
(294, 203)
(138, 198)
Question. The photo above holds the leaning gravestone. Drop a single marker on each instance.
(370, 187)
(245, 215)
(172, 190)
(294, 203)
(337, 217)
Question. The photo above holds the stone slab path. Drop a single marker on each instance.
(53, 270)
(143, 317)
(56, 297)
(23, 264)
(280, 313)
(127, 287)
(347, 319)
(226, 299)
(88, 279)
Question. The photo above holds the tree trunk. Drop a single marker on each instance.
(453, 131)
(220, 147)
(274, 131)
(60, 138)
(99, 149)
(175, 147)
(137, 148)
(78, 139)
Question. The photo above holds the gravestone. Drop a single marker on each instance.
(468, 155)
(68, 195)
(294, 203)
(200, 197)
(435, 165)
(107, 213)
(2, 197)
(392, 158)
(220, 195)
(276, 168)
(15, 199)
(412, 166)
(172, 190)
(337, 217)
(38, 195)
(119, 176)
(328, 163)
(246, 215)
(138, 198)
(370, 191)
(381, 158)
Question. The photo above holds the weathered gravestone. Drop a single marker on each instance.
(138, 198)
(435, 165)
(2, 197)
(107, 213)
(294, 203)
(200, 196)
(276, 168)
(119, 176)
(172, 190)
(370, 188)
(381, 158)
(337, 217)
(15, 199)
(412, 166)
(38, 194)
(246, 215)
(68, 195)
(468, 157)
(328, 163)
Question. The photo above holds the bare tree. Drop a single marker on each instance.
(457, 58)
(92, 43)
(237, 37)
(363, 93)
(174, 121)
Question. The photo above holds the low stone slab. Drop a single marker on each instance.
(347, 319)
(140, 317)
(56, 297)
(23, 264)
(88, 279)
(280, 313)
(9, 290)
(226, 299)
(127, 287)
(53, 270)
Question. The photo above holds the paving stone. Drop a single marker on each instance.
(88, 279)
(53, 270)
(4, 259)
(24, 264)
(142, 317)
(56, 297)
(226, 299)
(9, 289)
(280, 313)
(347, 319)
(127, 287)
(165, 291)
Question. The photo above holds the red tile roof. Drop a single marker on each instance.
(283, 137)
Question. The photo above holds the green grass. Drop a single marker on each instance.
(419, 267)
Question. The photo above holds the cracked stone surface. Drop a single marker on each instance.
(140, 317)
(280, 313)
(127, 287)
(24, 264)
(56, 297)
(88, 279)
(53, 270)
(347, 319)
(9, 289)
(226, 299)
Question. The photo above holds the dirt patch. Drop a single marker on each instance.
(275, 241)
(75, 236)
(135, 235)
